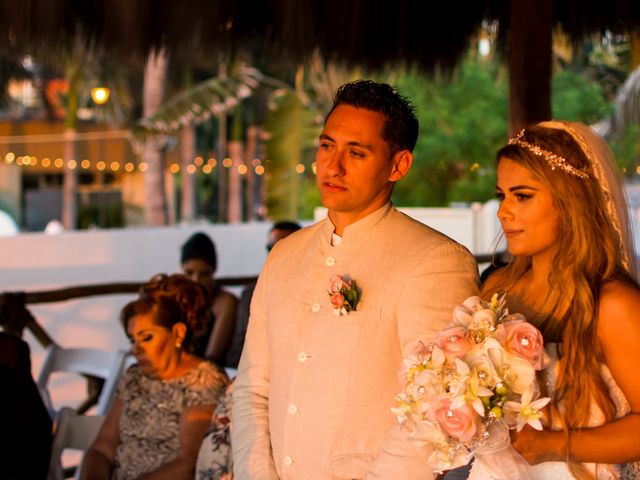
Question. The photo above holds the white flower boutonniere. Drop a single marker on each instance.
(344, 294)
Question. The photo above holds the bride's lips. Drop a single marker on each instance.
(511, 232)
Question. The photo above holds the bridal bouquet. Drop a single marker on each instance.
(477, 380)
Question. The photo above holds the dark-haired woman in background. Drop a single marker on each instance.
(199, 262)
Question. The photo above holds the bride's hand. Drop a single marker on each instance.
(539, 446)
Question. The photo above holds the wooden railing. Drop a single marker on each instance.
(15, 316)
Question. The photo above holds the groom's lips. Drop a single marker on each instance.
(333, 187)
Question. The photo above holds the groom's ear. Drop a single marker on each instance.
(401, 163)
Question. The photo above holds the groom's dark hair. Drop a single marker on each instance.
(400, 130)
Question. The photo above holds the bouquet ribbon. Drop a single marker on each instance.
(499, 458)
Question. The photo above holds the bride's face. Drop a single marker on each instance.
(527, 215)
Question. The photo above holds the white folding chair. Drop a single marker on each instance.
(75, 432)
(83, 361)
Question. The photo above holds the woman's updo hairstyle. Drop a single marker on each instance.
(171, 299)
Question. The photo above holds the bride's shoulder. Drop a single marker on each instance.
(618, 308)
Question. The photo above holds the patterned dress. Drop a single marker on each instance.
(149, 423)
(214, 458)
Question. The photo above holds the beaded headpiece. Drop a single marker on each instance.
(554, 161)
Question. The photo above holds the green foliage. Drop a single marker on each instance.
(577, 98)
(627, 149)
(463, 121)
(293, 127)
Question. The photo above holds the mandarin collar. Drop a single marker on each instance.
(357, 230)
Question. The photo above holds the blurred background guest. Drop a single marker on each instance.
(199, 262)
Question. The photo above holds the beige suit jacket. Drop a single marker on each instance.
(314, 391)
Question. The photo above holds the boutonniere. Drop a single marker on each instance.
(344, 294)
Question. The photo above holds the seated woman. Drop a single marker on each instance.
(199, 262)
(165, 402)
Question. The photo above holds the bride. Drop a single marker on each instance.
(573, 274)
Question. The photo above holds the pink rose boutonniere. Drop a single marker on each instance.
(343, 294)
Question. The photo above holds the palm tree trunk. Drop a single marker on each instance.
(529, 63)
(253, 133)
(187, 153)
(222, 171)
(236, 153)
(155, 207)
(70, 176)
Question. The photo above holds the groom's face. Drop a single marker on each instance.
(355, 165)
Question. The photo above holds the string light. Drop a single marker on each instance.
(300, 168)
(314, 168)
(206, 164)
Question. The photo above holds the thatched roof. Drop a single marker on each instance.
(369, 32)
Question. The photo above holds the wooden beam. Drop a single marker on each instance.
(529, 63)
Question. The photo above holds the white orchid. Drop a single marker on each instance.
(527, 411)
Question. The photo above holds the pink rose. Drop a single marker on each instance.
(462, 423)
(454, 342)
(524, 340)
(337, 283)
(337, 299)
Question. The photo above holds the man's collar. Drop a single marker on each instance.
(359, 228)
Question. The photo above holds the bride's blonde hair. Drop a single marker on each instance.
(588, 256)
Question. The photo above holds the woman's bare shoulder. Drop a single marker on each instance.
(225, 296)
(618, 308)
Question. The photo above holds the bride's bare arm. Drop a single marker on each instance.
(617, 441)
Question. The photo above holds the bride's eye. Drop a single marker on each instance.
(522, 196)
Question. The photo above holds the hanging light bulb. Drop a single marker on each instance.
(100, 95)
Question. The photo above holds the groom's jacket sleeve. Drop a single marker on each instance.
(444, 277)
(250, 438)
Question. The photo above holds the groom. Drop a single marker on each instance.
(317, 378)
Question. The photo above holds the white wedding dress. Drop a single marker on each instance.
(560, 470)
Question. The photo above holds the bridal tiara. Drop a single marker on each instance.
(554, 161)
